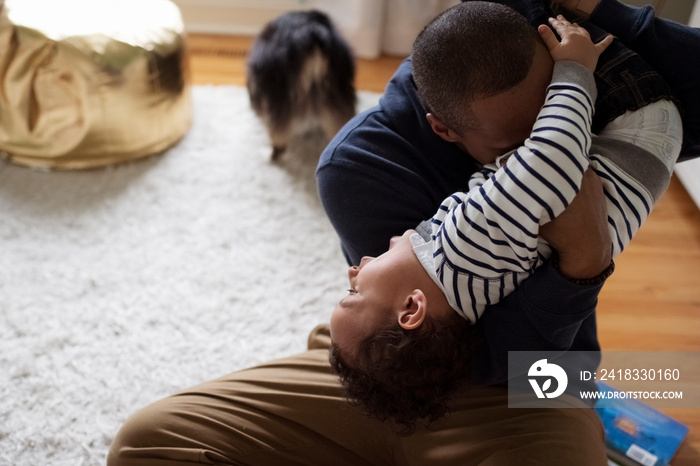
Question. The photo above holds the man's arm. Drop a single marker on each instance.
(546, 321)
(582, 256)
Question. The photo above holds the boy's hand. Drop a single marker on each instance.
(575, 45)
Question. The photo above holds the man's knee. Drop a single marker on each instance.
(129, 438)
(320, 337)
(150, 437)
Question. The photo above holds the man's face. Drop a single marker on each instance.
(506, 120)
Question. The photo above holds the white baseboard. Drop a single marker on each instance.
(242, 17)
(360, 21)
(689, 174)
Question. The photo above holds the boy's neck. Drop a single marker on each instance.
(429, 283)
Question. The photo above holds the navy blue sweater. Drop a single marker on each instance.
(386, 171)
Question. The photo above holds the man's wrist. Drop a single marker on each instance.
(583, 274)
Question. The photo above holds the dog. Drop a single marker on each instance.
(300, 78)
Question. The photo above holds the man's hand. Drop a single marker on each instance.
(580, 234)
(575, 45)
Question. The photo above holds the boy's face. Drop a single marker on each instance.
(377, 286)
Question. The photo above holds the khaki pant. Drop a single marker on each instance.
(291, 412)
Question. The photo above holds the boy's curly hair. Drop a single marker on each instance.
(409, 375)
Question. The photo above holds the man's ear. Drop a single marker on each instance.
(441, 129)
(414, 310)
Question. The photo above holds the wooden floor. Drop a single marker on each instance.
(652, 301)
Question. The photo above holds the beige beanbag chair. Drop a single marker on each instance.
(88, 83)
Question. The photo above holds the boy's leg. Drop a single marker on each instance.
(655, 128)
(291, 411)
(624, 80)
(671, 48)
(667, 46)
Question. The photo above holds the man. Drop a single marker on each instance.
(292, 411)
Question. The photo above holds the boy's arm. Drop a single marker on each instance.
(493, 230)
(488, 235)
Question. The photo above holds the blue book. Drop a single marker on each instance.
(637, 433)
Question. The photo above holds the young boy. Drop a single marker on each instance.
(485, 241)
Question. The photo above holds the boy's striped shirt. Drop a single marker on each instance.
(486, 241)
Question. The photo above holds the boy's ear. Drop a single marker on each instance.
(414, 310)
(441, 129)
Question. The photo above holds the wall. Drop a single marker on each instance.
(362, 22)
(244, 17)
(358, 20)
(689, 172)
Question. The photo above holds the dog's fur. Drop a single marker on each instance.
(300, 78)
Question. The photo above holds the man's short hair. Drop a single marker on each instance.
(472, 50)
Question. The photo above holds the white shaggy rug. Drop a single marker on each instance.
(121, 286)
